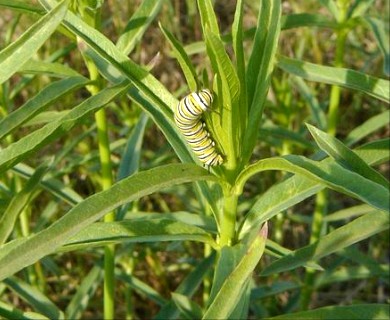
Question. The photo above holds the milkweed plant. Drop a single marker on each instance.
(262, 142)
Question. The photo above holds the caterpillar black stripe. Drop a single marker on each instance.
(188, 119)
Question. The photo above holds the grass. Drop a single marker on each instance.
(107, 213)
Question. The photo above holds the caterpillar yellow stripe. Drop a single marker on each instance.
(187, 116)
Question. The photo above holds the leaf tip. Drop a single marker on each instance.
(264, 231)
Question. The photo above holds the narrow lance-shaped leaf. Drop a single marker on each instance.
(84, 293)
(183, 60)
(142, 79)
(52, 69)
(22, 7)
(295, 189)
(371, 311)
(18, 52)
(331, 6)
(229, 88)
(9, 311)
(34, 297)
(359, 8)
(355, 231)
(54, 186)
(149, 230)
(345, 156)
(40, 102)
(208, 17)
(18, 203)
(379, 28)
(238, 46)
(368, 127)
(347, 78)
(227, 297)
(138, 24)
(93, 208)
(21, 149)
(260, 67)
(327, 172)
(187, 287)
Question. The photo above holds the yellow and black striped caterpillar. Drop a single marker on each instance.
(188, 115)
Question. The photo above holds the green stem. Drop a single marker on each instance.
(316, 227)
(334, 101)
(321, 200)
(228, 221)
(107, 179)
(90, 11)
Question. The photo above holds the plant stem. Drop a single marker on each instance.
(109, 250)
(334, 102)
(90, 11)
(316, 227)
(228, 223)
(322, 199)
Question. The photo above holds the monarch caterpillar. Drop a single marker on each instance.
(188, 119)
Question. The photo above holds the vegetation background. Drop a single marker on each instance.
(295, 82)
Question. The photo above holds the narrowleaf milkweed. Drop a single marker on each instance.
(187, 116)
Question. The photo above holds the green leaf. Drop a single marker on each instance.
(331, 6)
(10, 312)
(17, 53)
(238, 46)
(375, 152)
(188, 308)
(150, 230)
(317, 114)
(351, 273)
(208, 17)
(275, 250)
(18, 203)
(50, 69)
(354, 312)
(149, 92)
(228, 91)
(347, 78)
(141, 287)
(297, 20)
(295, 189)
(24, 147)
(368, 127)
(34, 297)
(187, 287)
(273, 289)
(183, 60)
(259, 70)
(342, 154)
(202, 221)
(45, 97)
(329, 173)
(22, 6)
(231, 290)
(359, 7)
(138, 24)
(355, 231)
(349, 213)
(93, 208)
(52, 185)
(84, 293)
(142, 79)
(131, 155)
(381, 34)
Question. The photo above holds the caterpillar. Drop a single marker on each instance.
(187, 116)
